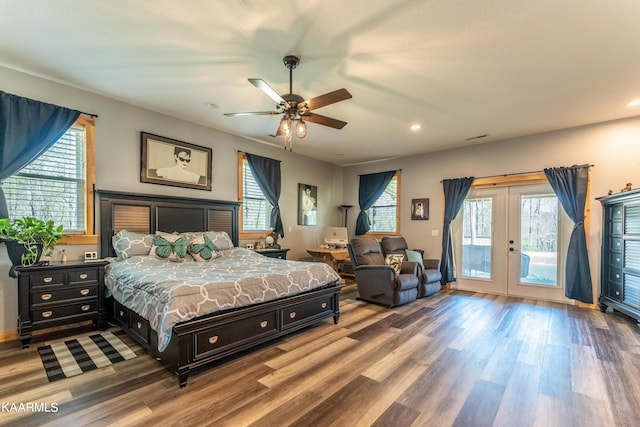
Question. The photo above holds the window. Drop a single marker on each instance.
(255, 210)
(58, 185)
(384, 213)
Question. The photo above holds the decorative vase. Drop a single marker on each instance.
(15, 250)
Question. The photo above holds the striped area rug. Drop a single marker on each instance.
(73, 357)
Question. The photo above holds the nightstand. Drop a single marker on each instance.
(273, 253)
(59, 294)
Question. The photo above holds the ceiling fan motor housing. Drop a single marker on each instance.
(291, 61)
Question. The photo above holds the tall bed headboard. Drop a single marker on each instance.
(146, 213)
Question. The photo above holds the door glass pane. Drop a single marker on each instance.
(477, 237)
(539, 239)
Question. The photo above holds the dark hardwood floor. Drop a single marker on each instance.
(457, 358)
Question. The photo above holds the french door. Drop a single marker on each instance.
(512, 241)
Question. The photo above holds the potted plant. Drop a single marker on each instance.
(28, 238)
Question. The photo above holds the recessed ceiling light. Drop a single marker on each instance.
(634, 103)
(212, 105)
(416, 127)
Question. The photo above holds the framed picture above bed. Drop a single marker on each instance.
(307, 204)
(168, 161)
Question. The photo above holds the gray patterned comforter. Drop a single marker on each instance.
(166, 293)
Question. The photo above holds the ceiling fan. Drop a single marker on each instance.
(295, 109)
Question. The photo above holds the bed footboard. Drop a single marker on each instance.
(206, 339)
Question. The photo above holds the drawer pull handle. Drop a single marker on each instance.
(139, 325)
(617, 276)
(292, 314)
(617, 292)
(85, 307)
(47, 313)
(47, 279)
(84, 292)
(263, 324)
(84, 275)
(213, 339)
(121, 313)
(324, 305)
(46, 297)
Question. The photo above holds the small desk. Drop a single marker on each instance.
(332, 256)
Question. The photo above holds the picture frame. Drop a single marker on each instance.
(420, 209)
(167, 161)
(307, 204)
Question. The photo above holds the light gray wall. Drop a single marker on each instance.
(118, 130)
(611, 147)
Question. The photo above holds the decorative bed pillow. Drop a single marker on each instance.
(169, 246)
(219, 238)
(128, 244)
(414, 256)
(201, 248)
(395, 261)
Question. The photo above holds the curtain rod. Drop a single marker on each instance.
(373, 173)
(93, 116)
(518, 173)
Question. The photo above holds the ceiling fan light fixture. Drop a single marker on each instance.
(301, 129)
(285, 126)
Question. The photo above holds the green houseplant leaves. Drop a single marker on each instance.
(31, 232)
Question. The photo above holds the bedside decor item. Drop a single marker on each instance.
(171, 162)
(58, 365)
(27, 239)
(419, 209)
(271, 241)
(307, 204)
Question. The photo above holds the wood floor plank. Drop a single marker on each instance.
(456, 358)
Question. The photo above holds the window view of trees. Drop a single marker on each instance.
(383, 212)
(53, 185)
(256, 210)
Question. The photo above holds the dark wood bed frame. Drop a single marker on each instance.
(205, 339)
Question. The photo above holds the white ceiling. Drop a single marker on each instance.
(460, 68)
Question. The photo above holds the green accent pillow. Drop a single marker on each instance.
(202, 248)
(414, 256)
(395, 261)
(169, 246)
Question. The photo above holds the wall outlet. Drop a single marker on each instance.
(434, 233)
(90, 255)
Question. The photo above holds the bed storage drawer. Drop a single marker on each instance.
(120, 314)
(317, 307)
(235, 333)
(139, 327)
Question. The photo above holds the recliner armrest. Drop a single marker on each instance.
(431, 264)
(408, 267)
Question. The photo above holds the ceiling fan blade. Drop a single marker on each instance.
(328, 98)
(324, 120)
(254, 113)
(263, 86)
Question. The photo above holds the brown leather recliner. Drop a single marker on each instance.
(377, 282)
(428, 272)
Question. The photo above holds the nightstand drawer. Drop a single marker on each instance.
(56, 312)
(83, 275)
(47, 279)
(64, 294)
